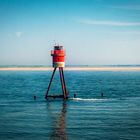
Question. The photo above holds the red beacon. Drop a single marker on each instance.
(58, 58)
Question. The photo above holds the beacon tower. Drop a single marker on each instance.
(58, 60)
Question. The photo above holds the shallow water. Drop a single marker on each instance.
(89, 116)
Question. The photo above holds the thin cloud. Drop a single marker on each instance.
(128, 32)
(125, 32)
(19, 34)
(127, 7)
(109, 23)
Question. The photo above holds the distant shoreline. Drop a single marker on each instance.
(96, 68)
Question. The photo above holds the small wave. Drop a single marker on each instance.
(92, 99)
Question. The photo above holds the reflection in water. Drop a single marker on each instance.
(59, 126)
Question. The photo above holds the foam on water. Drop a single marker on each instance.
(84, 99)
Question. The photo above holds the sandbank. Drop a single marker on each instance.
(102, 68)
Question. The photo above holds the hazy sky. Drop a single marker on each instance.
(93, 32)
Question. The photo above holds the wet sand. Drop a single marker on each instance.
(71, 68)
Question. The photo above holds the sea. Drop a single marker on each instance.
(89, 116)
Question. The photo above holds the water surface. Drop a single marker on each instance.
(90, 116)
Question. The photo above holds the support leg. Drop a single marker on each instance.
(50, 83)
(62, 82)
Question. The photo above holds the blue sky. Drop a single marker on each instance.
(93, 32)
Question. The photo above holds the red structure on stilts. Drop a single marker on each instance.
(58, 56)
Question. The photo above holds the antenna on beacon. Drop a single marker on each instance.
(55, 43)
(58, 59)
